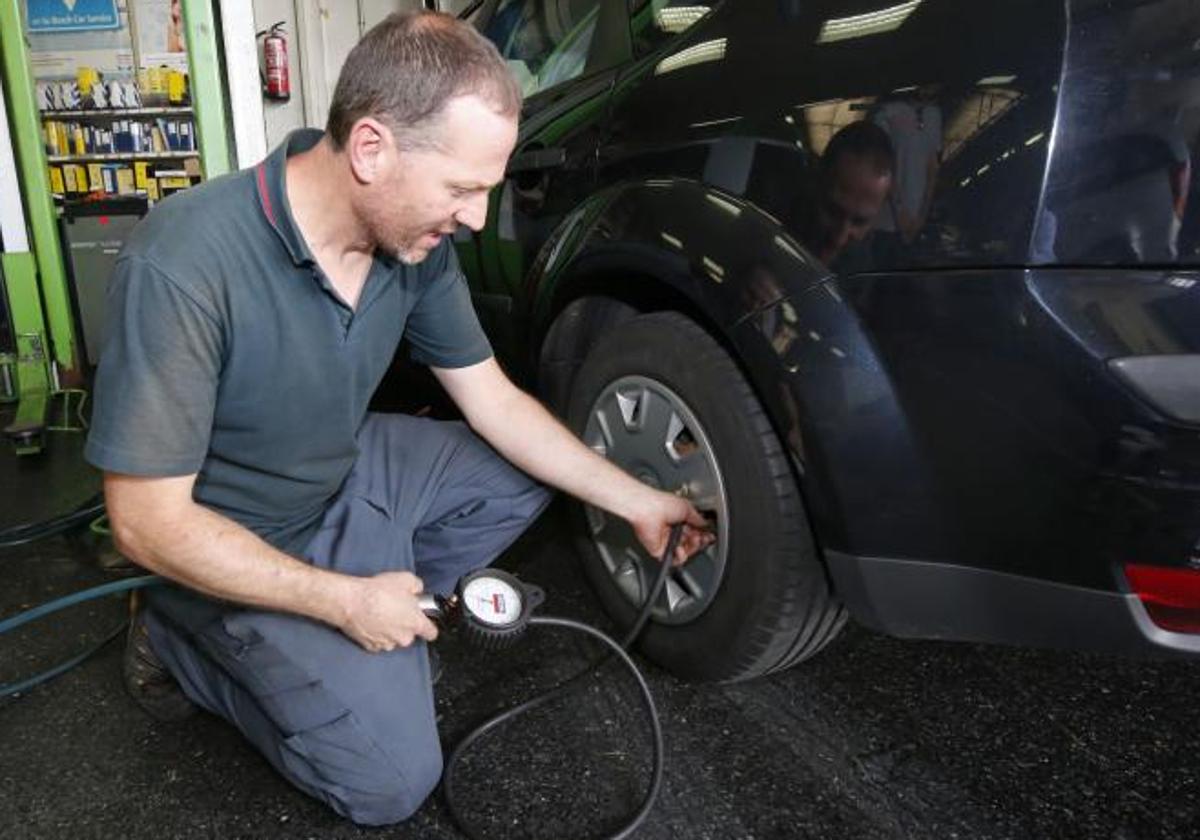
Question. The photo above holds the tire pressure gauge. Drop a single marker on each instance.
(494, 606)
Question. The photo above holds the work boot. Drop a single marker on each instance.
(147, 680)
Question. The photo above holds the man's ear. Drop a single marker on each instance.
(370, 147)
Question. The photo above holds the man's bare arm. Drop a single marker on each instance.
(158, 525)
(525, 433)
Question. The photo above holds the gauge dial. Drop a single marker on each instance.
(493, 601)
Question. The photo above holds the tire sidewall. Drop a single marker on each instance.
(686, 360)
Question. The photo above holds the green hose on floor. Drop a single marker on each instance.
(92, 514)
(60, 604)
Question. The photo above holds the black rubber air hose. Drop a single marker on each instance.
(618, 650)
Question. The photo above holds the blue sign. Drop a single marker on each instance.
(72, 15)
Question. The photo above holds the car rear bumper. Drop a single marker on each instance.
(918, 599)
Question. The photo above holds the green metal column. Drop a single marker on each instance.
(35, 188)
(208, 94)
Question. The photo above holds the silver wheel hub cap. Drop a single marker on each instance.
(649, 431)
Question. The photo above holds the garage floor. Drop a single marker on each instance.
(878, 738)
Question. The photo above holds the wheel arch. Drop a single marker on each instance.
(609, 261)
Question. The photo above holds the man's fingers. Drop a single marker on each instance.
(693, 541)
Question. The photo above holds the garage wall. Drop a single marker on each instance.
(281, 117)
(321, 34)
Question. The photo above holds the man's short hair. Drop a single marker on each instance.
(863, 139)
(405, 70)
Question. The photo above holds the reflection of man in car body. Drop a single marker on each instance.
(914, 125)
(853, 181)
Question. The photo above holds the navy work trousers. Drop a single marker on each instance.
(351, 728)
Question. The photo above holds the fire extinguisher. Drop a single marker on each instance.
(276, 84)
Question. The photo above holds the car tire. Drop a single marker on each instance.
(760, 599)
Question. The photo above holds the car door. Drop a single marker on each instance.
(565, 54)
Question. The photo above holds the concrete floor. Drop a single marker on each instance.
(877, 738)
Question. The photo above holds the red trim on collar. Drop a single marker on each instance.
(265, 195)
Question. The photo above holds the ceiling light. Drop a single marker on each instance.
(679, 18)
(870, 23)
(696, 54)
(728, 206)
(988, 81)
(708, 123)
(714, 269)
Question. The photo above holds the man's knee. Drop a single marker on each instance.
(394, 796)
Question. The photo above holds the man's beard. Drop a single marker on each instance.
(403, 246)
(410, 255)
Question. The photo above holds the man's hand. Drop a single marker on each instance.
(383, 614)
(658, 514)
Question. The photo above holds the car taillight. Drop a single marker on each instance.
(1170, 595)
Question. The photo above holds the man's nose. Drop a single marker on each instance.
(473, 213)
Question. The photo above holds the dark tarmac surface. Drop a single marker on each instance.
(876, 738)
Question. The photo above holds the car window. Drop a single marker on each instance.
(544, 42)
(654, 22)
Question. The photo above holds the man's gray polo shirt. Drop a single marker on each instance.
(230, 355)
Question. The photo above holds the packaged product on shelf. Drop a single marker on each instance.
(45, 96)
(95, 177)
(85, 78)
(58, 184)
(176, 87)
(141, 174)
(158, 136)
(66, 96)
(171, 181)
(99, 95)
(125, 180)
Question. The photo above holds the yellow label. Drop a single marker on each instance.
(95, 177)
(176, 86)
(141, 174)
(152, 189)
(158, 79)
(174, 182)
(77, 136)
(124, 181)
(81, 178)
(57, 185)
